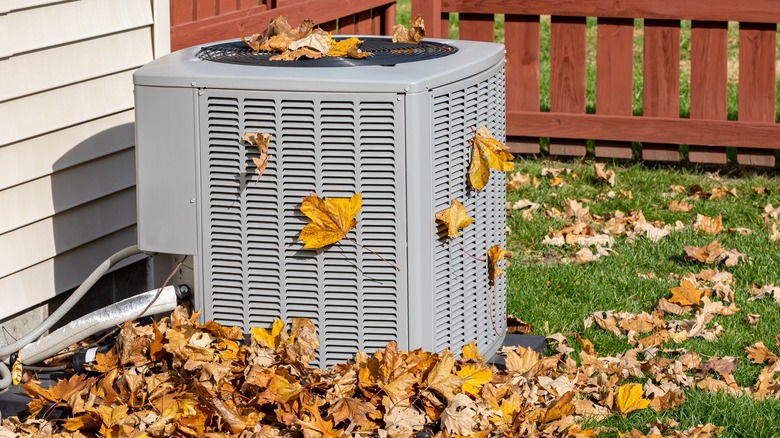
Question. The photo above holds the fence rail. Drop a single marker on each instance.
(200, 21)
(613, 127)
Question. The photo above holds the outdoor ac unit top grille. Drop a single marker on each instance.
(383, 52)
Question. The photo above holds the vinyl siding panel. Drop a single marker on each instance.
(42, 240)
(45, 280)
(67, 106)
(66, 148)
(76, 62)
(60, 23)
(67, 159)
(67, 189)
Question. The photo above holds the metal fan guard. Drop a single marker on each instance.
(383, 51)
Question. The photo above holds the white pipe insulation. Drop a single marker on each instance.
(99, 320)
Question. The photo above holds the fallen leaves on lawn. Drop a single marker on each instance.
(629, 399)
(774, 235)
(708, 225)
(722, 192)
(714, 254)
(680, 206)
(686, 294)
(602, 174)
(769, 290)
(520, 180)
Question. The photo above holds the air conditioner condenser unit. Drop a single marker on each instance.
(394, 126)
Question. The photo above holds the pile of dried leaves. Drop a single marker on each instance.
(178, 377)
(308, 41)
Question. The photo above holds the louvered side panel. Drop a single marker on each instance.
(338, 175)
(254, 267)
(265, 243)
(225, 222)
(462, 294)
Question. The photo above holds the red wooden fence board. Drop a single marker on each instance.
(757, 11)
(445, 25)
(521, 37)
(709, 70)
(363, 24)
(757, 84)
(388, 18)
(205, 9)
(347, 25)
(661, 81)
(645, 129)
(226, 6)
(614, 77)
(181, 12)
(476, 27)
(431, 13)
(567, 76)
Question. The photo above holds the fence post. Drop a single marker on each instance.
(431, 14)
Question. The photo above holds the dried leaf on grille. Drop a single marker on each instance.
(262, 141)
(487, 153)
(455, 218)
(331, 219)
(349, 47)
(411, 36)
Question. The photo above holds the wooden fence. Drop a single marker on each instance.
(200, 21)
(660, 129)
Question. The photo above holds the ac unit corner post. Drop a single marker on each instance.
(398, 135)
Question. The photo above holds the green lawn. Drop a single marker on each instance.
(556, 296)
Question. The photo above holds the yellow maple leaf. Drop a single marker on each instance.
(487, 153)
(474, 377)
(630, 399)
(686, 294)
(441, 380)
(262, 140)
(269, 340)
(456, 218)
(83, 422)
(560, 408)
(470, 351)
(346, 47)
(284, 390)
(331, 219)
(495, 255)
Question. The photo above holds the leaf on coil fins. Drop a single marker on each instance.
(262, 140)
(487, 153)
(455, 218)
(331, 219)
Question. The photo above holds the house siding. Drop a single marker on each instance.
(67, 166)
